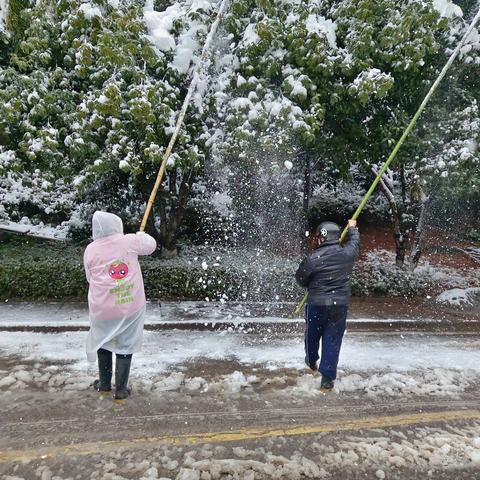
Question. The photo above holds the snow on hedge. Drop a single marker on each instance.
(160, 24)
(90, 11)
(460, 296)
(322, 26)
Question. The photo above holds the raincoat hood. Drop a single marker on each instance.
(105, 224)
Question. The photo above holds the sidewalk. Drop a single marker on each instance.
(247, 317)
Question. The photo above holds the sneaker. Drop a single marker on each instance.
(327, 383)
(313, 366)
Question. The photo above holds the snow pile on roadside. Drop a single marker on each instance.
(237, 380)
(370, 453)
(381, 453)
(373, 365)
(274, 466)
(54, 379)
(460, 296)
(437, 383)
(51, 378)
(425, 448)
(377, 453)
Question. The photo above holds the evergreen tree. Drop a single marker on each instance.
(87, 105)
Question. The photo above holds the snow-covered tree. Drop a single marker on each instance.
(89, 96)
(299, 92)
(337, 82)
(450, 174)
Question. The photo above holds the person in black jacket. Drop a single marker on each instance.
(326, 275)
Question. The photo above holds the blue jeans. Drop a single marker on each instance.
(327, 323)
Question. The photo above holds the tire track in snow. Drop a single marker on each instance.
(356, 410)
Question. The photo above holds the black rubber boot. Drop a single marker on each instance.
(122, 372)
(327, 383)
(104, 384)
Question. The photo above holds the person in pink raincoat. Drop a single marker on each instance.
(116, 299)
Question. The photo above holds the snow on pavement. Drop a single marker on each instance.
(384, 365)
(163, 350)
(374, 454)
(371, 363)
(426, 450)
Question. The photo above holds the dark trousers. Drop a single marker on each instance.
(327, 323)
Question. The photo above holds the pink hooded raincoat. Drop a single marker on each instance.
(116, 297)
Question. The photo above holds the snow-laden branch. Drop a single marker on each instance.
(3, 14)
(386, 183)
(473, 253)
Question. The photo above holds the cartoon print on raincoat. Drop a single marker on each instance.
(118, 271)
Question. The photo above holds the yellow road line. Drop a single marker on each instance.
(92, 448)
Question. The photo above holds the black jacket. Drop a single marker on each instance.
(326, 272)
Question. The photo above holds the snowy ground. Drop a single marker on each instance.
(192, 381)
(392, 364)
(422, 452)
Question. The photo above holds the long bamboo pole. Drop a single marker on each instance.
(405, 134)
(183, 111)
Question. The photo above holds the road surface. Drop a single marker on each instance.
(234, 401)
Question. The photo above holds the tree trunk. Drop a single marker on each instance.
(172, 210)
(168, 254)
(400, 236)
(417, 247)
(401, 248)
(307, 192)
(396, 217)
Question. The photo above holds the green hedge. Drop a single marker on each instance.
(31, 270)
(36, 270)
